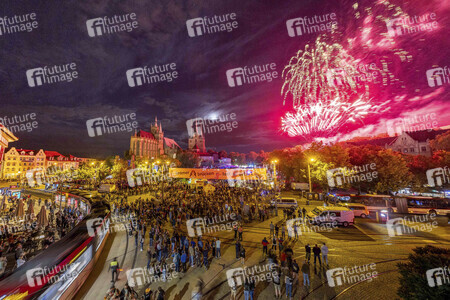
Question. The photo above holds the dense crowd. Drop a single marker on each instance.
(22, 236)
(169, 248)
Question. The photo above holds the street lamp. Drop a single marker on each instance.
(309, 174)
(274, 162)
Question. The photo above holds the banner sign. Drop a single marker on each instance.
(229, 174)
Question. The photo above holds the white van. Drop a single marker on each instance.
(285, 202)
(331, 214)
(360, 210)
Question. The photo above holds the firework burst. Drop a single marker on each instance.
(328, 83)
(323, 118)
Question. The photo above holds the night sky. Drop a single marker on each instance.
(201, 88)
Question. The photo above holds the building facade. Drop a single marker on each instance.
(414, 143)
(6, 137)
(152, 144)
(196, 142)
(18, 161)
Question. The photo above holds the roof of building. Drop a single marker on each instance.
(10, 137)
(52, 153)
(420, 136)
(424, 135)
(145, 134)
(27, 151)
(376, 142)
(171, 143)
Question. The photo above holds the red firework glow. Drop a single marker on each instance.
(321, 118)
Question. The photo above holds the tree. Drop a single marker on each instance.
(441, 142)
(413, 274)
(188, 159)
(251, 157)
(223, 154)
(392, 172)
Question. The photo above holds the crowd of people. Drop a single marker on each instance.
(156, 220)
(22, 236)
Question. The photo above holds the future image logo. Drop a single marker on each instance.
(18, 23)
(154, 74)
(257, 273)
(210, 25)
(110, 25)
(251, 74)
(341, 276)
(349, 175)
(110, 125)
(438, 76)
(94, 226)
(52, 74)
(400, 226)
(438, 276)
(438, 176)
(411, 24)
(308, 25)
(201, 226)
(36, 177)
(137, 176)
(136, 277)
(36, 277)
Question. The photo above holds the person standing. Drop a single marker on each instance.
(252, 288)
(218, 248)
(308, 252)
(283, 232)
(325, 253)
(265, 243)
(191, 255)
(304, 213)
(288, 281)
(183, 261)
(277, 284)
(316, 251)
(295, 271)
(233, 289)
(240, 230)
(246, 289)
(238, 249)
(272, 228)
(305, 271)
(242, 255)
(274, 243)
(114, 267)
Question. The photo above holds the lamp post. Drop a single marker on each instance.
(167, 167)
(152, 177)
(309, 174)
(274, 162)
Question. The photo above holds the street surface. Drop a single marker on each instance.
(367, 242)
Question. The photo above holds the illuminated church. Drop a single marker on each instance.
(152, 144)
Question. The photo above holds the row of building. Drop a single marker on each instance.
(153, 144)
(14, 163)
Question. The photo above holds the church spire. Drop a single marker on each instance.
(156, 121)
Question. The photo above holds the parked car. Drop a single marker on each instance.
(338, 215)
(360, 210)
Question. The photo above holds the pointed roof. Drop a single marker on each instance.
(424, 135)
(145, 134)
(171, 143)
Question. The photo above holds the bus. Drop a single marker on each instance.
(428, 205)
(416, 204)
(374, 202)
